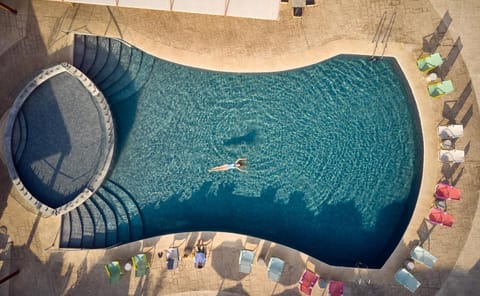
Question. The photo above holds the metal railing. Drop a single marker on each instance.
(386, 31)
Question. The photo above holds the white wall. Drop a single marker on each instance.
(257, 9)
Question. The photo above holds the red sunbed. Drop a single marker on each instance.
(440, 217)
(335, 288)
(308, 281)
(445, 191)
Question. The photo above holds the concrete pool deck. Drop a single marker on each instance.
(34, 39)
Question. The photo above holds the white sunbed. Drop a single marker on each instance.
(406, 279)
(245, 261)
(454, 156)
(451, 131)
(275, 268)
(173, 258)
(423, 256)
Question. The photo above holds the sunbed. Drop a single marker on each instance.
(438, 89)
(245, 261)
(455, 156)
(140, 265)
(308, 281)
(445, 191)
(429, 62)
(451, 131)
(423, 256)
(275, 268)
(440, 217)
(173, 258)
(406, 279)
(335, 288)
(114, 271)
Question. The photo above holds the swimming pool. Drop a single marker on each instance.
(334, 155)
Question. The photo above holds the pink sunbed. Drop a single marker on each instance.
(335, 288)
(445, 191)
(440, 217)
(308, 281)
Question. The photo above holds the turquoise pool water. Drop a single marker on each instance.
(334, 155)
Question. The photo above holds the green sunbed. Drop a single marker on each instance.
(438, 89)
(140, 264)
(114, 271)
(429, 62)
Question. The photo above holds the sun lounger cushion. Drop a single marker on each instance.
(440, 217)
(335, 288)
(445, 191)
(245, 261)
(455, 156)
(423, 256)
(173, 258)
(406, 279)
(308, 281)
(438, 89)
(451, 131)
(275, 268)
(114, 271)
(429, 62)
(140, 265)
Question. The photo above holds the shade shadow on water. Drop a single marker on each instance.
(315, 234)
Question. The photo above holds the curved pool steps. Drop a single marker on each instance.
(108, 216)
(119, 70)
(65, 230)
(135, 217)
(101, 58)
(123, 229)
(72, 227)
(111, 216)
(124, 60)
(79, 50)
(88, 227)
(99, 224)
(76, 229)
(136, 85)
(89, 55)
(127, 77)
(112, 62)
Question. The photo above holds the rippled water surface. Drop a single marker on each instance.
(334, 155)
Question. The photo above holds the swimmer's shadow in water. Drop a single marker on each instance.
(248, 138)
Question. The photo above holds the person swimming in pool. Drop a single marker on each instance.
(238, 164)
